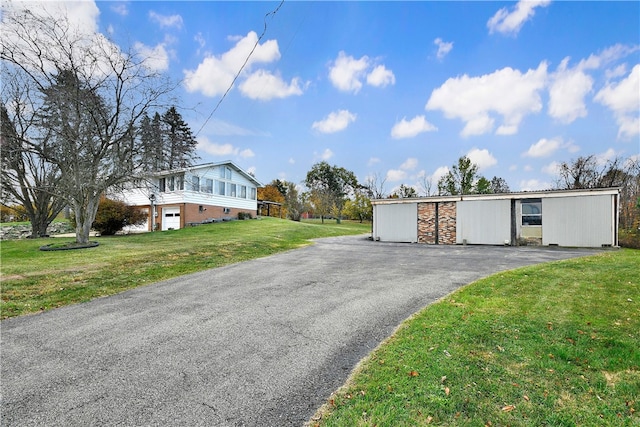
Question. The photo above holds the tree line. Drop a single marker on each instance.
(335, 192)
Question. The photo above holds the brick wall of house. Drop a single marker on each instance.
(191, 213)
(446, 231)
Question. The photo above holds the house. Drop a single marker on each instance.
(573, 218)
(194, 195)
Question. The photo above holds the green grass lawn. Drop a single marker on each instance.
(33, 280)
(556, 344)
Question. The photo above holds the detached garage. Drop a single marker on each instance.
(575, 218)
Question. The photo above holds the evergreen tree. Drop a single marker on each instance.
(180, 143)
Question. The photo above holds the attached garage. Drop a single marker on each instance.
(575, 218)
(170, 218)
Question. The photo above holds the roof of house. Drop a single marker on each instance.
(502, 196)
(195, 168)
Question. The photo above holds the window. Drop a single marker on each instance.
(253, 193)
(171, 181)
(243, 191)
(220, 188)
(180, 182)
(208, 186)
(227, 173)
(532, 212)
(195, 183)
(162, 185)
(232, 191)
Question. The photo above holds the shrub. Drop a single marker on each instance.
(244, 215)
(114, 215)
(629, 239)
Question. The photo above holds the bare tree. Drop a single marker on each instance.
(26, 178)
(89, 96)
(374, 186)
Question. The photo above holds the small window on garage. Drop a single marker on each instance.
(531, 212)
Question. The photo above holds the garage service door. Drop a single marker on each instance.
(170, 218)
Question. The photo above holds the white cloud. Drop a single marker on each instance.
(510, 22)
(381, 77)
(223, 150)
(292, 161)
(543, 148)
(155, 58)
(567, 91)
(372, 161)
(394, 175)
(439, 173)
(334, 122)
(166, 21)
(506, 92)
(623, 99)
(533, 185)
(443, 47)
(482, 158)
(528, 168)
(552, 168)
(608, 155)
(265, 86)
(513, 168)
(410, 164)
(326, 154)
(347, 73)
(120, 8)
(411, 128)
(246, 153)
(214, 74)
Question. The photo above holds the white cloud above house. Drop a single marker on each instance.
(477, 101)
(534, 185)
(623, 99)
(347, 74)
(336, 121)
(443, 48)
(510, 21)
(214, 75)
(567, 91)
(395, 175)
(166, 21)
(223, 150)
(411, 128)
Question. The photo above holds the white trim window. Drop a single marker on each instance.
(532, 212)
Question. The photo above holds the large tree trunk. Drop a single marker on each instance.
(85, 215)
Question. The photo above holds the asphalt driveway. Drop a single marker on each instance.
(260, 343)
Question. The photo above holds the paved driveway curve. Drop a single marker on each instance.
(262, 342)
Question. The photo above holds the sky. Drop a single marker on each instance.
(399, 90)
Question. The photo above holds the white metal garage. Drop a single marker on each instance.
(574, 218)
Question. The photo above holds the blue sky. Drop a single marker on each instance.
(397, 89)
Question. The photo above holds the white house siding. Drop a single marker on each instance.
(396, 222)
(483, 222)
(578, 221)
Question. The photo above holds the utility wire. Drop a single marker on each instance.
(246, 61)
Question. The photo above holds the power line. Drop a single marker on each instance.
(246, 61)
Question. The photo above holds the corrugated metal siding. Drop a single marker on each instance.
(396, 223)
(578, 221)
(484, 222)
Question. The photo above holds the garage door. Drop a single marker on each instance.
(396, 222)
(170, 218)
